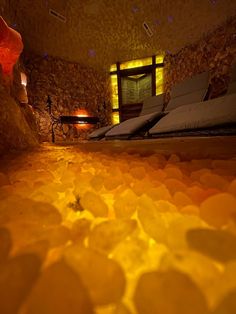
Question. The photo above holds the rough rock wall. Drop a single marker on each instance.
(71, 87)
(15, 132)
(215, 53)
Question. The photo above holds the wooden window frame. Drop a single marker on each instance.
(135, 71)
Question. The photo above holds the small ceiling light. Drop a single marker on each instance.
(147, 29)
(57, 15)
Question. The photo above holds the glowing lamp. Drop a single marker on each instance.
(23, 79)
(11, 47)
(80, 119)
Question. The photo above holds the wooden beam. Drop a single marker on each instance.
(153, 76)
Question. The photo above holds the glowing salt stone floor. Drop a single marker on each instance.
(117, 232)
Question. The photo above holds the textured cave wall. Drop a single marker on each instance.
(15, 132)
(215, 52)
(71, 87)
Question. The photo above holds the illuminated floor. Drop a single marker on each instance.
(119, 230)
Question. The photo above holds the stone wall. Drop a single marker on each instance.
(15, 131)
(216, 52)
(71, 87)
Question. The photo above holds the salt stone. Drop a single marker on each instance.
(59, 290)
(125, 204)
(152, 221)
(232, 188)
(138, 186)
(175, 293)
(173, 172)
(33, 232)
(218, 209)
(97, 182)
(212, 180)
(80, 230)
(111, 183)
(174, 185)
(121, 309)
(17, 277)
(19, 209)
(103, 277)
(181, 199)
(138, 173)
(159, 193)
(132, 255)
(163, 206)
(4, 180)
(82, 182)
(228, 304)
(190, 210)
(94, 203)
(197, 194)
(108, 234)
(61, 176)
(174, 159)
(5, 243)
(180, 226)
(201, 269)
(217, 244)
(38, 248)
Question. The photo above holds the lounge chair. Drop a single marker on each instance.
(212, 117)
(190, 90)
(98, 134)
(152, 111)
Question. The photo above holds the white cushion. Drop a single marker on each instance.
(190, 85)
(152, 104)
(186, 99)
(100, 132)
(190, 90)
(206, 114)
(132, 125)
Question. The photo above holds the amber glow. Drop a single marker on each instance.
(136, 63)
(115, 118)
(153, 226)
(11, 47)
(115, 101)
(113, 67)
(23, 79)
(159, 81)
(82, 113)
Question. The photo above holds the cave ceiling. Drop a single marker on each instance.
(98, 33)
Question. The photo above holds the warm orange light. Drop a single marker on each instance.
(82, 113)
(23, 79)
(11, 47)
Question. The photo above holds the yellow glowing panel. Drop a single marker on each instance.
(160, 58)
(113, 67)
(114, 87)
(115, 117)
(136, 63)
(159, 81)
(115, 102)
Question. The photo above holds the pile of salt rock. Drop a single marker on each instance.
(85, 232)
